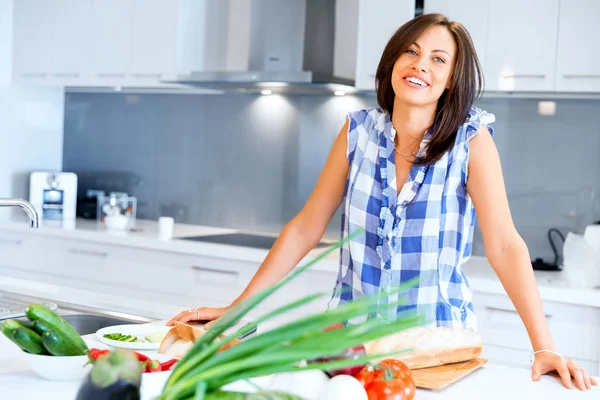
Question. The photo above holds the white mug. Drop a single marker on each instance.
(165, 228)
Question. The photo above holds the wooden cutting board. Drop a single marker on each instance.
(437, 378)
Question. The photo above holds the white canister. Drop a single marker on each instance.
(165, 228)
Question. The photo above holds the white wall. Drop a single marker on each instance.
(6, 25)
(31, 136)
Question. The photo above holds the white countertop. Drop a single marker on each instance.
(490, 382)
(552, 285)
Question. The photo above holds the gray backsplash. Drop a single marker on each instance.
(250, 162)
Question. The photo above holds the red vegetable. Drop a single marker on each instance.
(387, 380)
(154, 366)
(168, 364)
(142, 357)
(95, 353)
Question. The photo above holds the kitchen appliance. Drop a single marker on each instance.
(288, 42)
(54, 194)
(242, 239)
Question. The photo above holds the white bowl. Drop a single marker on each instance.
(62, 368)
(116, 222)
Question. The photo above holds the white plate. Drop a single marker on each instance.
(140, 330)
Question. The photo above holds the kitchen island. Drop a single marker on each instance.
(489, 382)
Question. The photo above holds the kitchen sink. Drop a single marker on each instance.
(86, 324)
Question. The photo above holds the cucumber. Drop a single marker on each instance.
(58, 346)
(40, 327)
(28, 341)
(10, 325)
(59, 326)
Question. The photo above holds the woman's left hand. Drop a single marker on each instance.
(566, 368)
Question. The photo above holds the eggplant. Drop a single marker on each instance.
(113, 377)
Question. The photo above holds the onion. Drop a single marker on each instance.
(343, 387)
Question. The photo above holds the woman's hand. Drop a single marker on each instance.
(199, 314)
(566, 368)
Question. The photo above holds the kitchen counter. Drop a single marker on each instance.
(552, 285)
(490, 382)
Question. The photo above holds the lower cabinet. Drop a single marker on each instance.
(574, 328)
(192, 280)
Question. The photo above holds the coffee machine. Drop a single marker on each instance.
(54, 195)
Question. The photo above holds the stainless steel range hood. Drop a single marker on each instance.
(286, 45)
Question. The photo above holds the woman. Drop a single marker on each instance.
(428, 136)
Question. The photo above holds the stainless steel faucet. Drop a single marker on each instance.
(25, 205)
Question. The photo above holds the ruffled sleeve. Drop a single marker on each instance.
(477, 118)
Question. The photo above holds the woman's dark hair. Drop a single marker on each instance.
(466, 82)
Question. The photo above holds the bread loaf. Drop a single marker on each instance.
(428, 347)
(180, 339)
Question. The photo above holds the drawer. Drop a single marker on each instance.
(574, 328)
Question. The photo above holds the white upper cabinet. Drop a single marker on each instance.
(521, 46)
(363, 28)
(473, 14)
(153, 40)
(578, 66)
(110, 44)
(50, 40)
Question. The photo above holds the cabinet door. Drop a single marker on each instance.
(70, 51)
(33, 40)
(521, 49)
(578, 62)
(473, 14)
(377, 22)
(111, 40)
(154, 39)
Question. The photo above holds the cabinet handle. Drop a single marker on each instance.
(67, 75)
(34, 75)
(575, 76)
(99, 254)
(11, 241)
(525, 76)
(511, 311)
(110, 75)
(147, 76)
(214, 270)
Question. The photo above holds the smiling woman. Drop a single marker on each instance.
(411, 177)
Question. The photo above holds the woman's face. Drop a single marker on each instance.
(422, 73)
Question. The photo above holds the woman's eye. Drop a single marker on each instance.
(409, 51)
(439, 59)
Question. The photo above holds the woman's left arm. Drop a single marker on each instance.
(509, 257)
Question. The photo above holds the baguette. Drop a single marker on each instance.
(180, 339)
(429, 347)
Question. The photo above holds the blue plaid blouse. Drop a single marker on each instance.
(426, 231)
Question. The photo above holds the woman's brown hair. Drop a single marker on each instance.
(466, 81)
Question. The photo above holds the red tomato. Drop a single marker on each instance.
(387, 380)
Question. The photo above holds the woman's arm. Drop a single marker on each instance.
(509, 256)
(305, 230)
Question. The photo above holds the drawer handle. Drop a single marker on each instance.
(575, 76)
(111, 75)
(214, 270)
(33, 75)
(11, 241)
(512, 311)
(67, 75)
(524, 76)
(99, 254)
(146, 76)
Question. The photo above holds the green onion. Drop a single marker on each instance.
(284, 348)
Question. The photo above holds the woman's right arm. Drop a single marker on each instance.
(299, 236)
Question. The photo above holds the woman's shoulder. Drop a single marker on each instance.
(367, 118)
(477, 118)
